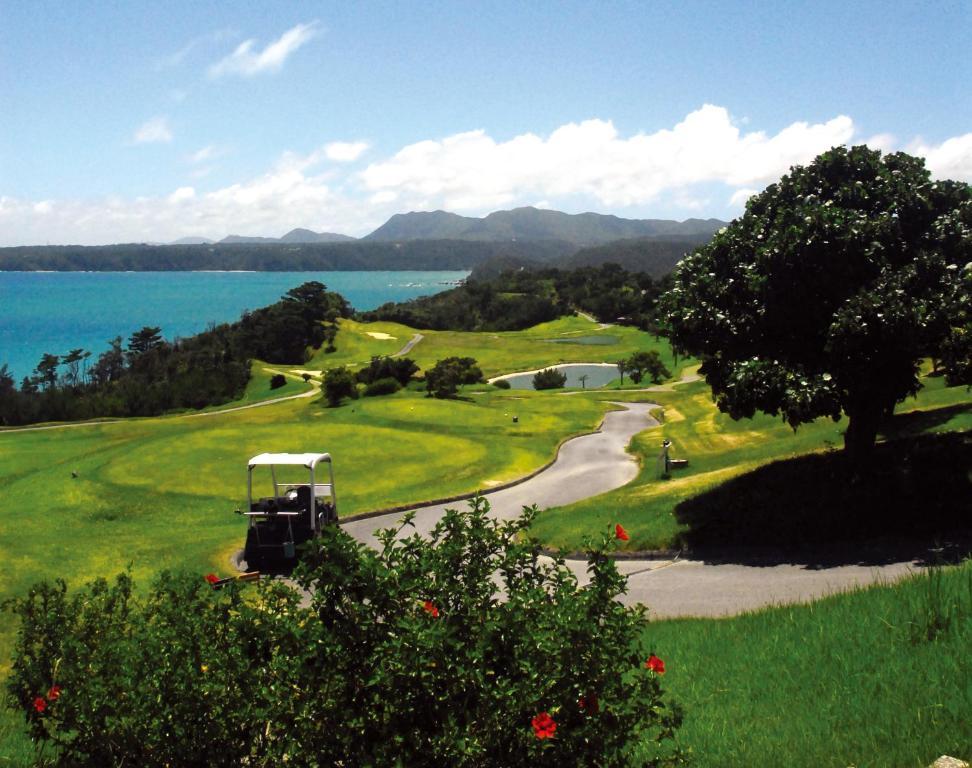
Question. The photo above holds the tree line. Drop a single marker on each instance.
(518, 299)
(148, 375)
(275, 257)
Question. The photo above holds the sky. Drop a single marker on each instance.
(146, 122)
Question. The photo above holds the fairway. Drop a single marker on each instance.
(496, 353)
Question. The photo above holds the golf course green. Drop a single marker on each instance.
(90, 500)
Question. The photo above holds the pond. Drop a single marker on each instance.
(598, 374)
(592, 340)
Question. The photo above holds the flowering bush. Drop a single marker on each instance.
(468, 647)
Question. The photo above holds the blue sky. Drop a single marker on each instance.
(127, 121)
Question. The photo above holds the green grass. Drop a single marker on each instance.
(258, 387)
(158, 493)
(856, 679)
(719, 449)
(355, 347)
(496, 353)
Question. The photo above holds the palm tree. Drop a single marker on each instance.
(622, 367)
(583, 380)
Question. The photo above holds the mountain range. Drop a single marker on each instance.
(519, 224)
(527, 238)
(582, 229)
(293, 236)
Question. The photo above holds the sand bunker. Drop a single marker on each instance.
(380, 336)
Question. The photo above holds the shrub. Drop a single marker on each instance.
(501, 384)
(399, 368)
(277, 381)
(549, 378)
(641, 363)
(403, 656)
(382, 387)
(339, 384)
(446, 376)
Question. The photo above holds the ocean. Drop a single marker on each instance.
(55, 312)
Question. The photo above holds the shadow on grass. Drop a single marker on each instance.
(918, 422)
(915, 503)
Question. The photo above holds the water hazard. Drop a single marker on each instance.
(598, 375)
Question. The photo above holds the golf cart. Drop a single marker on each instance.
(295, 511)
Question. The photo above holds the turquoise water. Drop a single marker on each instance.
(597, 376)
(59, 311)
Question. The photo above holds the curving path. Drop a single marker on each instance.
(200, 415)
(585, 466)
(593, 464)
(408, 345)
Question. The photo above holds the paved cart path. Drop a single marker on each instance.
(408, 346)
(593, 464)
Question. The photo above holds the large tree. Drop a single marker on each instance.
(823, 298)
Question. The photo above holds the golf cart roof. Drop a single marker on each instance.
(309, 460)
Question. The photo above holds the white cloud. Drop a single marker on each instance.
(247, 61)
(740, 196)
(580, 166)
(952, 159)
(204, 154)
(153, 131)
(178, 57)
(345, 151)
(182, 195)
(473, 171)
(885, 142)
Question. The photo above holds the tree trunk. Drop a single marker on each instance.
(861, 435)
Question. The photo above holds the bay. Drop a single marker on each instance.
(55, 312)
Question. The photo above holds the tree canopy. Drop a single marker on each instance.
(826, 294)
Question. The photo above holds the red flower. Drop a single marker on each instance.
(55, 693)
(429, 608)
(655, 664)
(544, 726)
(588, 703)
(620, 533)
(212, 578)
(40, 704)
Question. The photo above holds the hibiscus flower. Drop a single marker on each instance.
(655, 664)
(544, 726)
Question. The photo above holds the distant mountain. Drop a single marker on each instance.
(657, 255)
(424, 225)
(293, 236)
(583, 229)
(192, 241)
(238, 239)
(306, 236)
